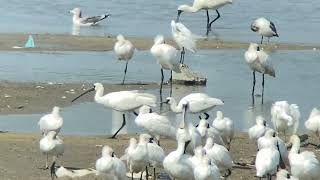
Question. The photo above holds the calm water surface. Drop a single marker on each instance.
(229, 78)
(296, 20)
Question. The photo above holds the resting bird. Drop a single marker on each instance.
(51, 122)
(226, 128)
(313, 122)
(264, 27)
(86, 21)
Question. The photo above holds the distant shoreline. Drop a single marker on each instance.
(59, 42)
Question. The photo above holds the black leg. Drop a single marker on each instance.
(182, 56)
(141, 175)
(171, 83)
(52, 170)
(123, 124)
(125, 72)
(131, 175)
(261, 39)
(154, 173)
(214, 20)
(135, 113)
(162, 77)
(262, 88)
(208, 19)
(254, 83)
(147, 174)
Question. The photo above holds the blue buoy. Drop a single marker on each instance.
(30, 42)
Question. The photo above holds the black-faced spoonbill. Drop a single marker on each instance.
(122, 101)
(167, 58)
(267, 162)
(258, 61)
(259, 129)
(78, 20)
(264, 27)
(52, 145)
(51, 122)
(184, 38)
(204, 5)
(226, 128)
(283, 174)
(124, 50)
(198, 103)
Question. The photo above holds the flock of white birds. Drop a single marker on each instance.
(202, 151)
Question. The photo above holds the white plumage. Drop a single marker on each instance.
(78, 20)
(225, 127)
(264, 27)
(184, 38)
(259, 129)
(267, 161)
(304, 165)
(124, 50)
(283, 174)
(313, 122)
(110, 164)
(207, 131)
(51, 122)
(285, 117)
(156, 156)
(155, 124)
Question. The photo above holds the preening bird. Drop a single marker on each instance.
(51, 122)
(264, 27)
(122, 101)
(204, 5)
(79, 20)
(258, 61)
(124, 50)
(184, 38)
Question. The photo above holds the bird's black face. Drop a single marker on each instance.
(112, 155)
(258, 48)
(274, 134)
(150, 140)
(254, 28)
(264, 123)
(178, 16)
(288, 176)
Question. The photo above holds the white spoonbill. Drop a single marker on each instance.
(219, 155)
(198, 103)
(156, 156)
(203, 168)
(259, 129)
(264, 27)
(51, 122)
(258, 61)
(206, 131)
(304, 165)
(166, 56)
(226, 128)
(110, 164)
(204, 5)
(124, 50)
(137, 155)
(177, 163)
(285, 117)
(86, 21)
(267, 162)
(283, 174)
(122, 101)
(184, 38)
(313, 122)
(155, 124)
(52, 145)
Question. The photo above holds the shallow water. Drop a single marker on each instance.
(229, 79)
(296, 21)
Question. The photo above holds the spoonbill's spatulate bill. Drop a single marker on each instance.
(204, 5)
(166, 56)
(184, 38)
(80, 20)
(264, 27)
(122, 101)
(124, 50)
(258, 61)
(198, 103)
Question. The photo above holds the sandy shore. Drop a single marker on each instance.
(28, 98)
(53, 42)
(21, 159)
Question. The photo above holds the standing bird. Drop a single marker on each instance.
(258, 61)
(226, 128)
(166, 56)
(110, 164)
(156, 125)
(259, 129)
(51, 122)
(313, 122)
(284, 175)
(304, 165)
(122, 101)
(52, 145)
(198, 103)
(265, 28)
(78, 20)
(285, 117)
(156, 156)
(124, 49)
(204, 5)
(184, 38)
(267, 162)
(206, 131)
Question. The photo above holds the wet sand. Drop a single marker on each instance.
(28, 98)
(21, 158)
(54, 42)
